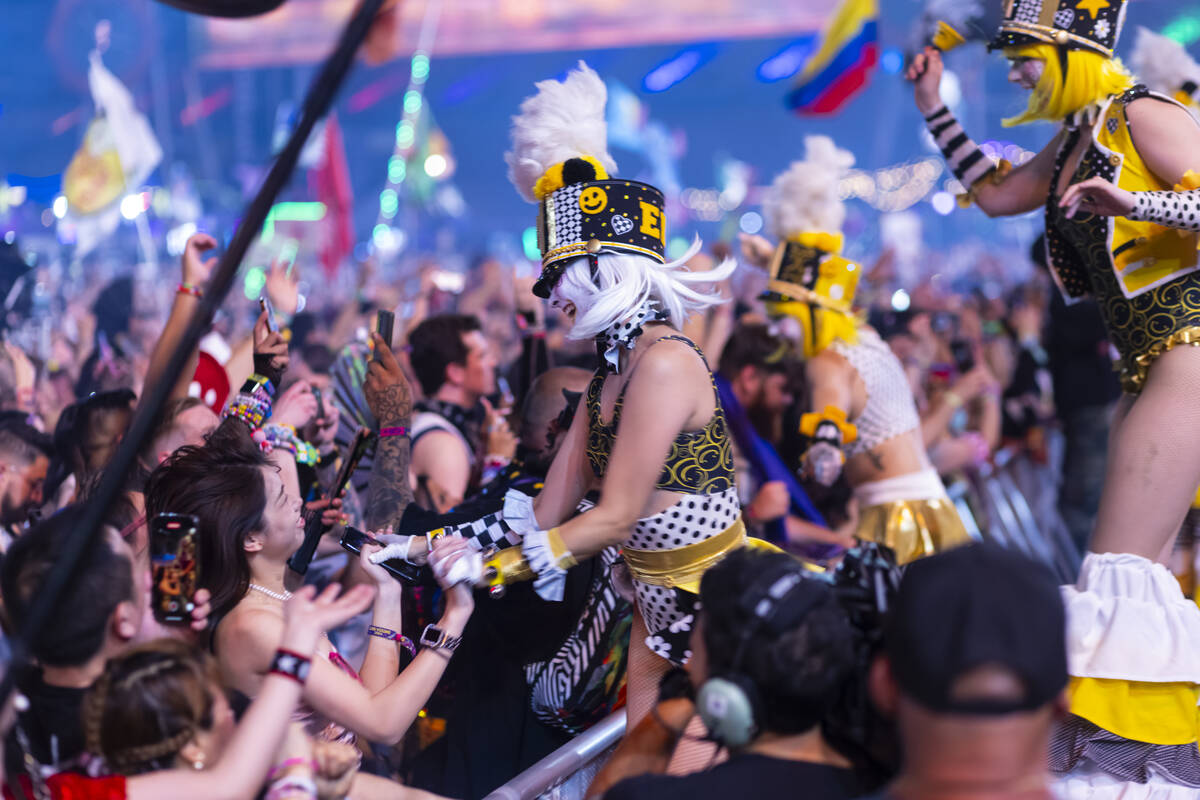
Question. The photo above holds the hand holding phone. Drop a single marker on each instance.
(264, 304)
(354, 540)
(174, 567)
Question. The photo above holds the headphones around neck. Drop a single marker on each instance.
(731, 704)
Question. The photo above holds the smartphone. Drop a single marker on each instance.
(963, 355)
(385, 323)
(320, 398)
(174, 567)
(358, 448)
(354, 540)
(447, 281)
(264, 304)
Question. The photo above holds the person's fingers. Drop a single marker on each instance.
(384, 354)
(260, 328)
(202, 242)
(487, 406)
(329, 593)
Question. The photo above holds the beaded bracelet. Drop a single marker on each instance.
(285, 437)
(187, 288)
(248, 408)
(399, 430)
(392, 636)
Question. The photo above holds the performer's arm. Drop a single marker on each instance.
(1022, 190)
(1168, 139)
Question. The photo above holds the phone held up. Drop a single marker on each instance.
(264, 304)
(174, 567)
(354, 540)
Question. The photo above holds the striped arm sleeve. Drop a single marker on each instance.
(968, 163)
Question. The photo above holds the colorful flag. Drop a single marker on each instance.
(842, 65)
(330, 181)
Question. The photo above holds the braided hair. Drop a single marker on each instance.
(149, 703)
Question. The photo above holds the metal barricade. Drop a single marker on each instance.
(566, 773)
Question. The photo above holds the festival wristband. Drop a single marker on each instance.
(190, 289)
(965, 158)
(392, 636)
(290, 665)
(398, 430)
(1179, 210)
(256, 382)
(293, 788)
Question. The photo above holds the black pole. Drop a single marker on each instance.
(112, 482)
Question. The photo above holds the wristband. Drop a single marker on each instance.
(187, 288)
(392, 636)
(398, 430)
(290, 665)
(292, 762)
(293, 788)
(256, 382)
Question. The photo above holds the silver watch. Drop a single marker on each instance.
(436, 638)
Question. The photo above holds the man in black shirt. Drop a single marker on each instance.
(974, 670)
(784, 638)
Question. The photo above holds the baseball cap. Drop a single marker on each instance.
(976, 605)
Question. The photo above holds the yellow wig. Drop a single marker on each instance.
(1090, 78)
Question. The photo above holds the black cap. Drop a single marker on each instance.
(976, 605)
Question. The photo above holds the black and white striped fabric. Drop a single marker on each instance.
(582, 682)
(1179, 210)
(968, 163)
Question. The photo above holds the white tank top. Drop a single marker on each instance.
(890, 410)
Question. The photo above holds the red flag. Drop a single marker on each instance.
(330, 183)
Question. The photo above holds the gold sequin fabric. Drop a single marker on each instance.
(700, 462)
(1141, 327)
(913, 528)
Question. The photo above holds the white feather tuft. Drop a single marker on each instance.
(1163, 64)
(563, 120)
(805, 198)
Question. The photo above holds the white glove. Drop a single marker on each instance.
(396, 546)
(823, 463)
(467, 569)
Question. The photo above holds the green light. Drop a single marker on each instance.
(1185, 29)
(529, 241)
(412, 102)
(420, 68)
(397, 169)
(254, 282)
(677, 247)
(291, 212)
(388, 203)
(404, 134)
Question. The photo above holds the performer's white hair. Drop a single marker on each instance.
(805, 198)
(625, 281)
(1163, 64)
(561, 121)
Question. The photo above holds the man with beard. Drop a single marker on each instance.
(756, 379)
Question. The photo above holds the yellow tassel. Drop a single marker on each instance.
(812, 420)
(946, 38)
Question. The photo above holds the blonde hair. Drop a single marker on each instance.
(1090, 78)
(624, 282)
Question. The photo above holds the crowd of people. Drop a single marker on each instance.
(363, 560)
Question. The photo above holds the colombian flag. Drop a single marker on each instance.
(842, 65)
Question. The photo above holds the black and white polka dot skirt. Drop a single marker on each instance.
(670, 613)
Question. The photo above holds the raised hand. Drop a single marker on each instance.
(196, 270)
(307, 614)
(283, 287)
(296, 407)
(270, 350)
(756, 250)
(925, 72)
(388, 393)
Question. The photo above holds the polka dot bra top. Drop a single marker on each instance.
(700, 462)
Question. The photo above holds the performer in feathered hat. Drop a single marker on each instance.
(1122, 217)
(863, 414)
(650, 433)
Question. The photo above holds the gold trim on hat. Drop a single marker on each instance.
(1051, 35)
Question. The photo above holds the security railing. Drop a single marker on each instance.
(566, 773)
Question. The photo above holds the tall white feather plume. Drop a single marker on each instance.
(805, 197)
(563, 120)
(1163, 64)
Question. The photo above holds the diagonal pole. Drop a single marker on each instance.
(316, 105)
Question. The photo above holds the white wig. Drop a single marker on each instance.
(625, 281)
(1163, 64)
(805, 198)
(562, 121)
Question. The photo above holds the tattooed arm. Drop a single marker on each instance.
(390, 399)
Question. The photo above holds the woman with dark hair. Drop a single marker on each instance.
(86, 438)
(250, 524)
(160, 720)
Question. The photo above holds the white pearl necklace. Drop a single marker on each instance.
(283, 598)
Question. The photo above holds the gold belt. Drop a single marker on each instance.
(683, 567)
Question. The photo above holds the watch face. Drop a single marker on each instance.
(432, 636)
